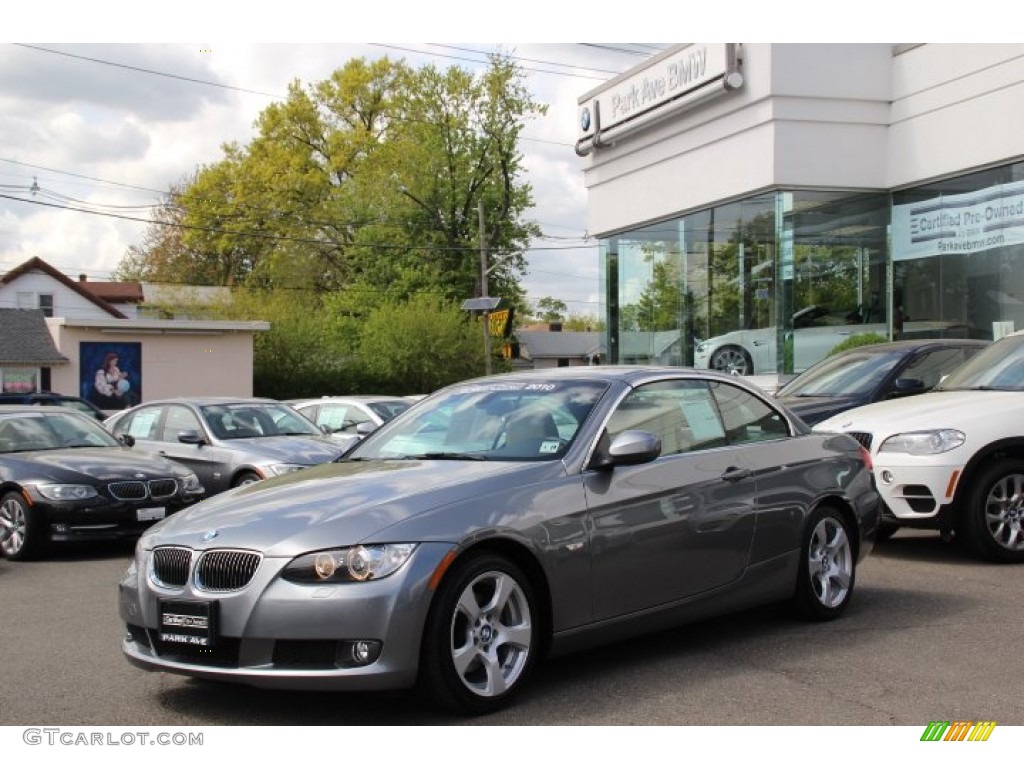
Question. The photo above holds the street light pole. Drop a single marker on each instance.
(483, 287)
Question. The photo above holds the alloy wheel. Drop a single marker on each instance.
(830, 562)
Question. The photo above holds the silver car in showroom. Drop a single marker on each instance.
(501, 520)
(227, 441)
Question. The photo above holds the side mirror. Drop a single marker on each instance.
(126, 440)
(364, 428)
(902, 387)
(633, 446)
(191, 437)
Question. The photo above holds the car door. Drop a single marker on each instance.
(211, 463)
(679, 525)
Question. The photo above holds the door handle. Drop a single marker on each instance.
(732, 474)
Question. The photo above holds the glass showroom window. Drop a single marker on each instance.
(958, 255)
(831, 274)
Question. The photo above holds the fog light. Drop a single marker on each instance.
(359, 653)
(887, 477)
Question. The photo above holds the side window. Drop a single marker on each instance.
(142, 425)
(747, 418)
(681, 413)
(931, 367)
(179, 419)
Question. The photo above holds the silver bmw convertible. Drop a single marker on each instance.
(499, 521)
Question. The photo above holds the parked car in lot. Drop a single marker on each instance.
(952, 459)
(63, 477)
(816, 332)
(52, 398)
(227, 442)
(872, 373)
(501, 519)
(347, 419)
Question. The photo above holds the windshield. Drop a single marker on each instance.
(856, 373)
(510, 420)
(999, 366)
(243, 420)
(49, 431)
(388, 409)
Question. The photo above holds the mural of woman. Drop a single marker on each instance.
(113, 389)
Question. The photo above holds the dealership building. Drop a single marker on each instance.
(759, 203)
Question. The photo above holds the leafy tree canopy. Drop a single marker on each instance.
(369, 181)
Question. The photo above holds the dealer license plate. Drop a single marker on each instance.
(188, 622)
(151, 513)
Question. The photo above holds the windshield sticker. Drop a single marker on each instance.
(549, 446)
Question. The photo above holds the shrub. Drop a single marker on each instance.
(858, 340)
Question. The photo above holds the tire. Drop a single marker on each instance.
(992, 520)
(885, 531)
(245, 478)
(25, 541)
(828, 568)
(732, 359)
(481, 638)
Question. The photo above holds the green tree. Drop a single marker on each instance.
(421, 345)
(370, 180)
(550, 310)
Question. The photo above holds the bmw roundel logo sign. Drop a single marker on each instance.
(585, 119)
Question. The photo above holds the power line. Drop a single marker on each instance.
(477, 61)
(147, 71)
(283, 238)
(533, 61)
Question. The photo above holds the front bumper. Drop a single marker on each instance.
(277, 634)
(103, 521)
(920, 493)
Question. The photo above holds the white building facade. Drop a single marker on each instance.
(765, 201)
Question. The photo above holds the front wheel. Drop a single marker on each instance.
(245, 478)
(828, 569)
(992, 522)
(732, 359)
(22, 538)
(482, 636)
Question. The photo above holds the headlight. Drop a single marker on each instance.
(361, 563)
(924, 443)
(190, 484)
(55, 492)
(285, 469)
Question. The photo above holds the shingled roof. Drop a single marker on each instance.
(25, 339)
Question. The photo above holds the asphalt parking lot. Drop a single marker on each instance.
(931, 634)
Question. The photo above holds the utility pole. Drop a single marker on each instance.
(483, 287)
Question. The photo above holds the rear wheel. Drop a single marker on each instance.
(992, 522)
(828, 568)
(482, 636)
(732, 359)
(24, 537)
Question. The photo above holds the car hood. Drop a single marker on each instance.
(932, 410)
(333, 504)
(104, 464)
(815, 409)
(293, 449)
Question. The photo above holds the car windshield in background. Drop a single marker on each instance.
(242, 420)
(999, 366)
(522, 421)
(388, 409)
(51, 431)
(850, 374)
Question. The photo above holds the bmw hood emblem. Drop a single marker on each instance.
(211, 535)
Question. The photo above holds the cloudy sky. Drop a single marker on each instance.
(107, 127)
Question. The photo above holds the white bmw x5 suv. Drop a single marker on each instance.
(952, 459)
